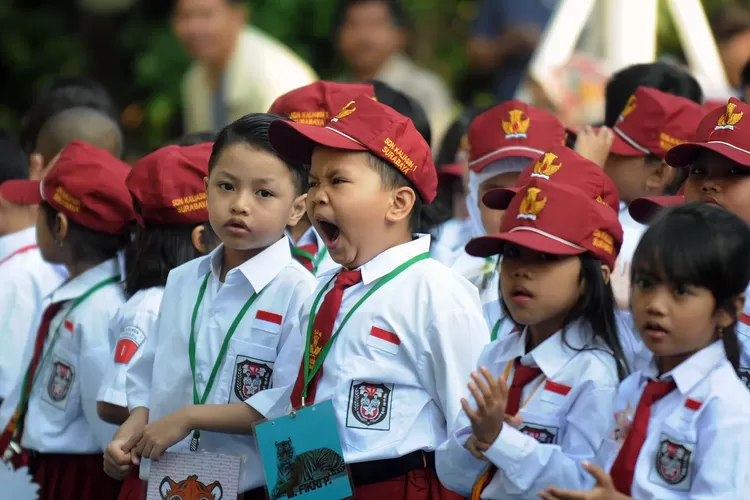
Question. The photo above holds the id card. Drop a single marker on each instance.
(302, 455)
(194, 475)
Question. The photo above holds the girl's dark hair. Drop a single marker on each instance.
(86, 245)
(252, 130)
(703, 246)
(405, 105)
(157, 249)
(596, 306)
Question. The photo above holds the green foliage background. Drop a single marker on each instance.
(39, 41)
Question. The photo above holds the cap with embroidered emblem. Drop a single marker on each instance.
(364, 125)
(512, 128)
(168, 185)
(561, 165)
(558, 219)
(316, 103)
(85, 183)
(653, 122)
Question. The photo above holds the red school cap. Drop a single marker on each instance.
(512, 128)
(558, 219)
(644, 209)
(86, 183)
(561, 165)
(316, 103)
(728, 135)
(168, 184)
(364, 125)
(654, 122)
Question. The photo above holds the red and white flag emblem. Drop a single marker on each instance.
(383, 340)
(130, 340)
(268, 321)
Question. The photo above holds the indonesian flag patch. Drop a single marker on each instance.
(268, 321)
(131, 339)
(383, 340)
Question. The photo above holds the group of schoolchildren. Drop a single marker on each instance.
(172, 305)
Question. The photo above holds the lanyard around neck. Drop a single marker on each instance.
(495, 330)
(310, 374)
(315, 259)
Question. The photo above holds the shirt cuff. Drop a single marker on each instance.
(271, 403)
(138, 402)
(113, 397)
(509, 449)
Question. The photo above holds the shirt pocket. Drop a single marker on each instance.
(249, 370)
(545, 428)
(671, 465)
(266, 328)
(58, 384)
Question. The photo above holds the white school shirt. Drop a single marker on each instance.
(255, 351)
(743, 336)
(61, 416)
(451, 236)
(128, 331)
(565, 415)
(10, 243)
(632, 231)
(698, 435)
(395, 373)
(25, 280)
(310, 237)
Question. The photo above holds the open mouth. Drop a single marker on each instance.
(655, 329)
(520, 294)
(236, 225)
(330, 231)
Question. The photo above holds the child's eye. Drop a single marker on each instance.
(312, 184)
(511, 252)
(737, 171)
(641, 283)
(697, 172)
(337, 180)
(225, 186)
(681, 291)
(264, 193)
(548, 257)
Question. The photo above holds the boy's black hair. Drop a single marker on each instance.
(399, 17)
(80, 124)
(596, 306)
(14, 163)
(64, 93)
(703, 246)
(86, 245)
(659, 75)
(252, 130)
(405, 105)
(195, 138)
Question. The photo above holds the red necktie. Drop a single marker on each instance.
(522, 376)
(311, 249)
(20, 414)
(623, 469)
(322, 332)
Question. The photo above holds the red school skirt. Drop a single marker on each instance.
(133, 488)
(420, 484)
(72, 477)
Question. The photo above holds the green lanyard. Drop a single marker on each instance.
(315, 259)
(495, 330)
(77, 302)
(199, 400)
(310, 374)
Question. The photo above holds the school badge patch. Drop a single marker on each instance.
(672, 463)
(369, 406)
(59, 382)
(251, 376)
(543, 434)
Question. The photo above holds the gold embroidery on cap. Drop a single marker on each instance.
(603, 240)
(629, 107)
(190, 203)
(729, 119)
(530, 206)
(69, 202)
(517, 125)
(398, 158)
(317, 118)
(601, 201)
(667, 142)
(345, 111)
(545, 167)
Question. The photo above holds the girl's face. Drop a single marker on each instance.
(538, 288)
(491, 219)
(675, 321)
(718, 180)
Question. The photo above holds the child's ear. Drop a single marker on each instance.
(196, 237)
(62, 225)
(402, 203)
(728, 316)
(606, 273)
(659, 177)
(297, 211)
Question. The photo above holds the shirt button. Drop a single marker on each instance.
(200, 377)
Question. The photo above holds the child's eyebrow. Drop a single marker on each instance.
(264, 181)
(227, 175)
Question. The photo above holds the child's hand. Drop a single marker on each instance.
(117, 458)
(163, 433)
(491, 396)
(476, 448)
(595, 145)
(604, 489)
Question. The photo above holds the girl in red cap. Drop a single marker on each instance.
(169, 196)
(541, 396)
(680, 426)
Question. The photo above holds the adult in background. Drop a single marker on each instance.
(731, 28)
(237, 69)
(372, 35)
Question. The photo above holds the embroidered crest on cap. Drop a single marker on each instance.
(517, 125)
(345, 111)
(530, 206)
(603, 240)
(190, 203)
(317, 118)
(629, 107)
(546, 167)
(71, 203)
(729, 119)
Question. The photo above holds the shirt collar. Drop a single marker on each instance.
(694, 369)
(9, 243)
(555, 352)
(77, 286)
(259, 270)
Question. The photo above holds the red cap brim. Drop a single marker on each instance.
(644, 209)
(296, 141)
(499, 199)
(487, 246)
(685, 154)
(22, 192)
(509, 152)
(621, 147)
(452, 170)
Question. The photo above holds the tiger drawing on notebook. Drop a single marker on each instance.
(190, 489)
(295, 470)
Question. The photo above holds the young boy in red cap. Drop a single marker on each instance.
(315, 104)
(394, 372)
(50, 417)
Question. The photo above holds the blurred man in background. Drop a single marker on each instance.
(731, 28)
(237, 69)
